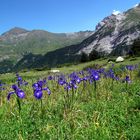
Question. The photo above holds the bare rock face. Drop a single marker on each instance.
(116, 33)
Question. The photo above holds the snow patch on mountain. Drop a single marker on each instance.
(115, 12)
(136, 5)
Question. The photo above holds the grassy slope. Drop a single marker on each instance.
(111, 114)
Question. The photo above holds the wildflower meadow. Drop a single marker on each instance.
(86, 104)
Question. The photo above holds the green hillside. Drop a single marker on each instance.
(18, 41)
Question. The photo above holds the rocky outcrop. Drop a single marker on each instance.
(115, 34)
(119, 59)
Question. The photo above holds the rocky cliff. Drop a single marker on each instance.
(115, 34)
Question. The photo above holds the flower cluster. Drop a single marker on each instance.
(73, 80)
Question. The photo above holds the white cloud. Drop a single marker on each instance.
(136, 5)
(115, 12)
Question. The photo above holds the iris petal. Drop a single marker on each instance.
(21, 94)
(38, 94)
(9, 95)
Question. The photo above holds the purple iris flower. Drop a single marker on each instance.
(101, 70)
(127, 79)
(72, 84)
(67, 87)
(19, 78)
(111, 75)
(130, 67)
(20, 93)
(78, 80)
(117, 78)
(81, 72)
(61, 80)
(50, 77)
(39, 87)
(75, 78)
(38, 94)
(94, 75)
(85, 78)
(2, 86)
(20, 81)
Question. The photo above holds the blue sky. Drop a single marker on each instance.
(58, 15)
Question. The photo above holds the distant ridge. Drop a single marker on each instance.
(18, 42)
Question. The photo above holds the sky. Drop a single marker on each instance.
(58, 16)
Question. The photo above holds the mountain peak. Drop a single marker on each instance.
(15, 31)
(136, 5)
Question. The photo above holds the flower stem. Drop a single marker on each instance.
(19, 105)
(41, 102)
